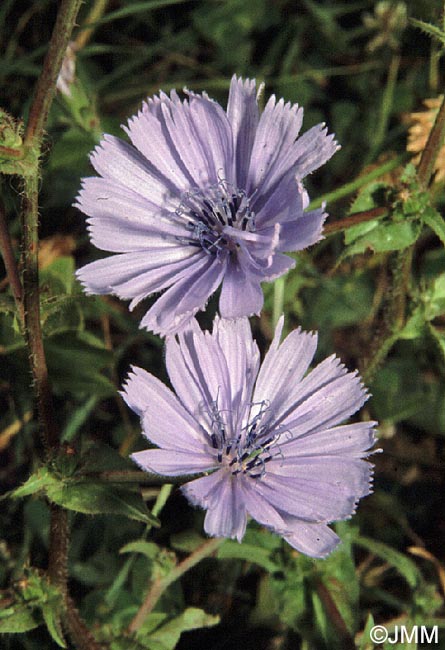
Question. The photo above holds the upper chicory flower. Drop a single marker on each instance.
(267, 437)
(201, 197)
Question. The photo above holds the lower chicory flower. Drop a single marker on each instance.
(266, 438)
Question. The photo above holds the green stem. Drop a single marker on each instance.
(160, 585)
(278, 300)
(360, 181)
(387, 103)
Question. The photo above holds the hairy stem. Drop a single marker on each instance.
(31, 300)
(159, 586)
(79, 633)
(43, 97)
(354, 219)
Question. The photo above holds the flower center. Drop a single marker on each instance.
(213, 214)
(250, 450)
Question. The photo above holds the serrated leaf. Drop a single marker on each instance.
(16, 619)
(428, 28)
(37, 482)
(51, 616)
(93, 498)
(403, 564)
(435, 221)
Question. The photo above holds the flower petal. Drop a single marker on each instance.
(243, 114)
(303, 232)
(320, 488)
(174, 309)
(241, 294)
(137, 274)
(282, 370)
(277, 130)
(219, 494)
(315, 540)
(172, 462)
(163, 416)
(327, 396)
(116, 160)
(148, 132)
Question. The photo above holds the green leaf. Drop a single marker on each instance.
(384, 238)
(18, 618)
(51, 616)
(248, 552)
(87, 496)
(37, 482)
(93, 498)
(340, 301)
(75, 365)
(403, 564)
(435, 221)
(149, 549)
(77, 418)
(167, 636)
(365, 639)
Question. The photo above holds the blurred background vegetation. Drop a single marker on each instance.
(364, 69)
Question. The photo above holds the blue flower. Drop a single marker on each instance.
(266, 438)
(202, 197)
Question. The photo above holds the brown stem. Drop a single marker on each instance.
(45, 89)
(9, 152)
(46, 85)
(335, 617)
(135, 476)
(159, 586)
(428, 159)
(31, 301)
(58, 547)
(354, 219)
(79, 633)
(10, 264)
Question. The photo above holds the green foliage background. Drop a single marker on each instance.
(350, 65)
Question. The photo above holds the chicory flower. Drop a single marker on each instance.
(202, 197)
(268, 439)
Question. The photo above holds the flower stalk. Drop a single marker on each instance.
(162, 584)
